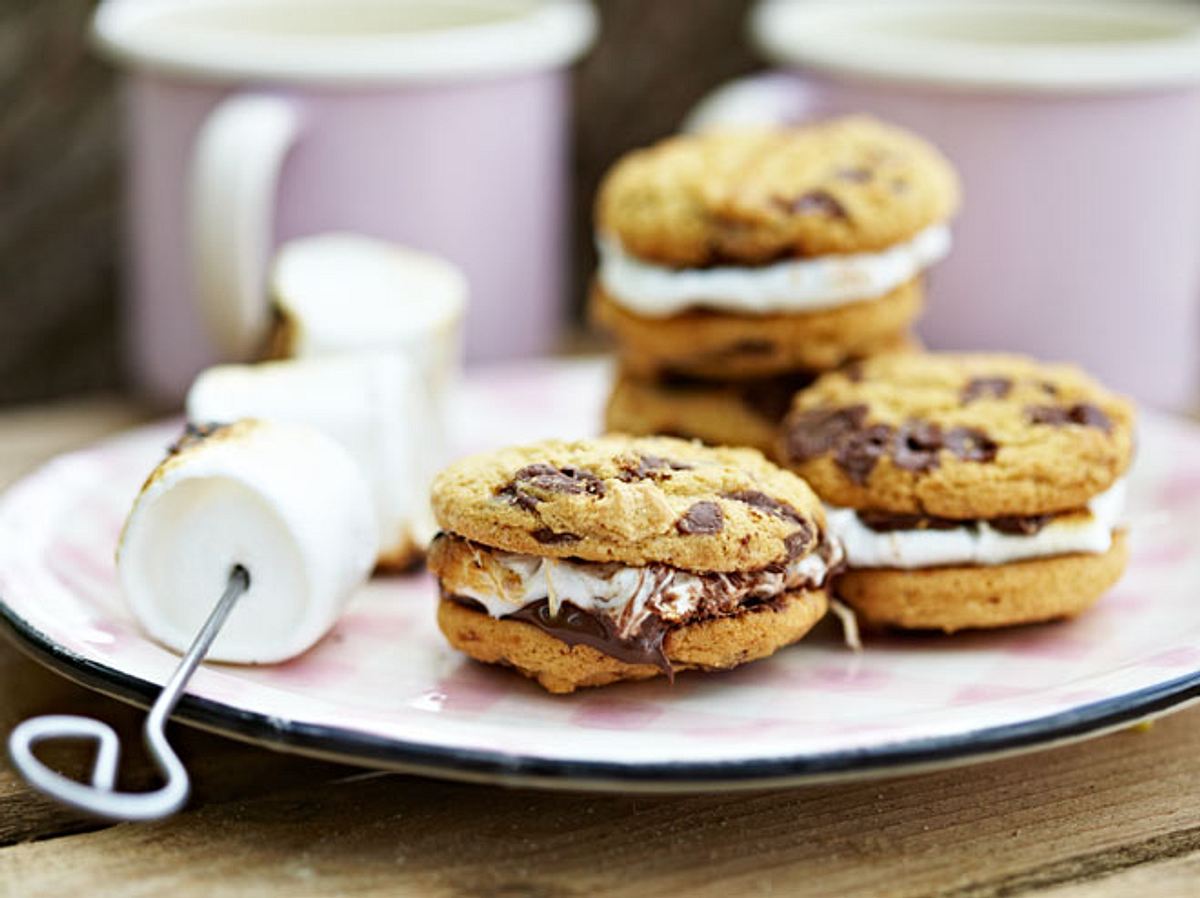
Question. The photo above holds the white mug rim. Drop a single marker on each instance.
(543, 34)
(797, 32)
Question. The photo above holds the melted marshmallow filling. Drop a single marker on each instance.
(1089, 531)
(505, 582)
(795, 285)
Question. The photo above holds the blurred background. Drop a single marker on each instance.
(60, 166)
(1075, 125)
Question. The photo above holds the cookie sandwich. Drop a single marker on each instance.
(744, 254)
(968, 490)
(584, 563)
(720, 413)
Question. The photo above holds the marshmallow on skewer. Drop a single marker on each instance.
(285, 502)
(373, 404)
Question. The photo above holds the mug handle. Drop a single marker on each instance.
(768, 98)
(234, 174)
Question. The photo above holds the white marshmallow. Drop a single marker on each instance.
(340, 293)
(373, 404)
(799, 285)
(1090, 532)
(285, 502)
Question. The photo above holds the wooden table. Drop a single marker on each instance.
(1116, 816)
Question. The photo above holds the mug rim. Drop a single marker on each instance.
(807, 33)
(534, 36)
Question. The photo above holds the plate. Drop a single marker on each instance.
(384, 690)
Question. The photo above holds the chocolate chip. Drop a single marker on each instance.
(1084, 414)
(650, 467)
(985, 387)
(917, 445)
(548, 537)
(768, 504)
(799, 542)
(702, 518)
(858, 452)
(815, 432)
(1021, 525)
(812, 203)
(971, 444)
(548, 479)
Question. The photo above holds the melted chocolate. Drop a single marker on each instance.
(859, 451)
(889, 522)
(703, 518)
(971, 444)
(768, 504)
(548, 537)
(1083, 414)
(985, 387)
(1021, 525)
(651, 467)
(917, 446)
(914, 446)
(770, 398)
(814, 202)
(575, 626)
(548, 479)
(813, 433)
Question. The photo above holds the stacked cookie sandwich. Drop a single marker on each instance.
(969, 491)
(734, 267)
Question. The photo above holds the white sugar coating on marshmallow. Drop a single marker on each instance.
(797, 285)
(373, 404)
(346, 292)
(981, 544)
(285, 502)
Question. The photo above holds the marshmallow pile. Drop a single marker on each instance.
(310, 469)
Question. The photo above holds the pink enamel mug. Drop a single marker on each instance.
(1076, 128)
(437, 124)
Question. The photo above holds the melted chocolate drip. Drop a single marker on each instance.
(575, 626)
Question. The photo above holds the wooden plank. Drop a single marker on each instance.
(1011, 827)
(1177, 877)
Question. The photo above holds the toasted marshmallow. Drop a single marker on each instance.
(285, 502)
(373, 404)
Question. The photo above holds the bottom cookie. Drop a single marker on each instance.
(978, 597)
(717, 644)
(720, 414)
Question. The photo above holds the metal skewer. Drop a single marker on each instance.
(100, 796)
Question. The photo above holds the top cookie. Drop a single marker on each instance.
(958, 436)
(751, 197)
(632, 500)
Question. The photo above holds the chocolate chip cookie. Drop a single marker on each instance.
(583, 563)
(741, 255)
(968, 490)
